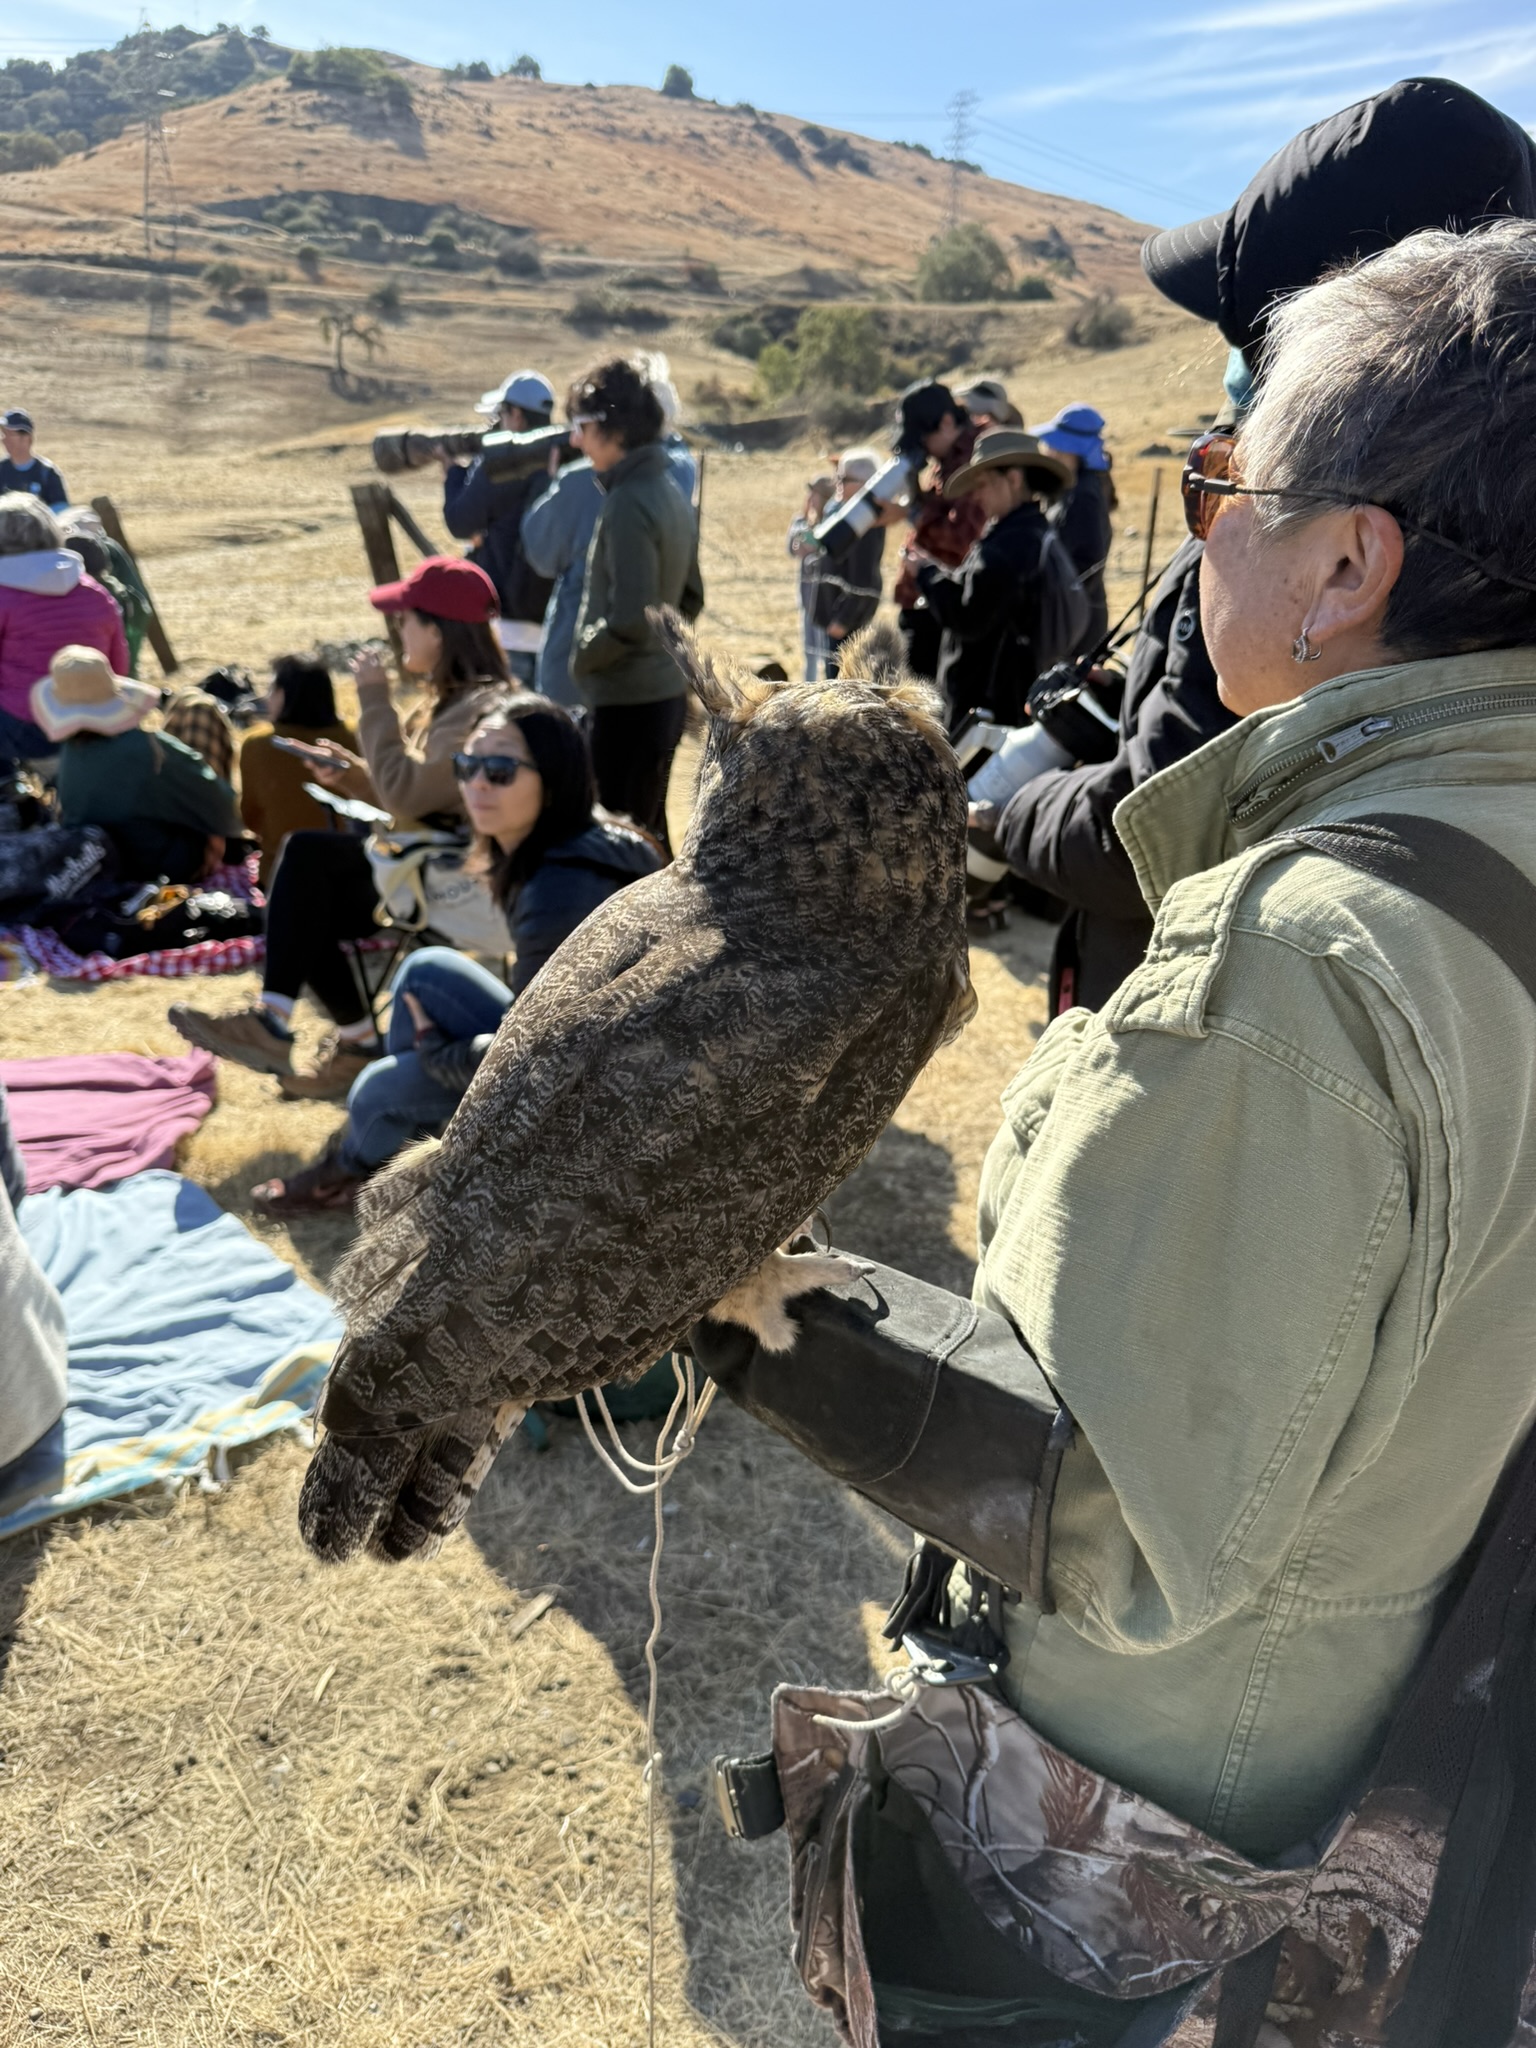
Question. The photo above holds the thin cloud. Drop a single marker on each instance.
(1280, 14)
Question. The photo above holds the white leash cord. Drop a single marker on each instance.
(695, 1407)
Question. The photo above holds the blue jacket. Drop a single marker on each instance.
(473, 504)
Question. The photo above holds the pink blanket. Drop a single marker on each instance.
(83, 1123)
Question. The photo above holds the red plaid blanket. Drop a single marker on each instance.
(50, 955)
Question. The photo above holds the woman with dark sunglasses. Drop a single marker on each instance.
(549, 857)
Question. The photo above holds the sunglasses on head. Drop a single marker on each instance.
(498, 769)
(1207, 483)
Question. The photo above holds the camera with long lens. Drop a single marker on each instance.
(504, 454)
(896, 484)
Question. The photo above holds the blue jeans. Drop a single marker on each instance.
(394, 1100)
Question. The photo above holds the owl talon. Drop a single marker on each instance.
(760, 1303)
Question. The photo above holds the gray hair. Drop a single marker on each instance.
(1409, 382)
(26, 525)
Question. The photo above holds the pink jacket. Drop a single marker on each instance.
(47, 602)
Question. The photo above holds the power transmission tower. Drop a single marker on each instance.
(959, 111)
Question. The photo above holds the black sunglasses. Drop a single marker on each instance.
(498, 769)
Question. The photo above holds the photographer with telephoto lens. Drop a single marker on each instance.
(487, 508)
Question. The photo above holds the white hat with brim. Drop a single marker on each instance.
(81, 694)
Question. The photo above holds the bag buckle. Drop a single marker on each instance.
(936, 1660)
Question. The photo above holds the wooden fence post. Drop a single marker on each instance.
(154, 627)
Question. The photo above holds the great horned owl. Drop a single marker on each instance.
(688, 1078)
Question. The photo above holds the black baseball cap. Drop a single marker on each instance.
(18, 421)
(1426, 153)
(923, 406)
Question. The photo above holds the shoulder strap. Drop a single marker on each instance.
(1442, 865)
(1465, 1734)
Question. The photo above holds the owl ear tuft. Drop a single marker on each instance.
(878, 655)
(717, 693)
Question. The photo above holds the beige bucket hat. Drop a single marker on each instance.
(81, 694)
(1009, 448)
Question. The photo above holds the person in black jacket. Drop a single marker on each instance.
(549, 858)
(1081, 515)
(491, 515)
(1426, 153)
(989, 608)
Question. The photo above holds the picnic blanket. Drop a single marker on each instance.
(48, 954)
(86, 1122)
(186, 1335)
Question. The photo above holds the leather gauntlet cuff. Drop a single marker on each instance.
(931, 1407)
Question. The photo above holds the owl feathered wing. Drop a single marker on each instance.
(652, 1120)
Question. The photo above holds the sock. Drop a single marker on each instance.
(364, 1031)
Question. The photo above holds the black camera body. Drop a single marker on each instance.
(504, 454)
(1064, 706)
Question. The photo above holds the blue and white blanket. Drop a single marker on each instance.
(185, 1335)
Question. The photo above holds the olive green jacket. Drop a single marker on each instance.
(1269, 1222)
(644, 553)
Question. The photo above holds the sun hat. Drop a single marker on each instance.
(857, 465)
(18, 421)
(81, 694)
(444, 587)
(525, 388)
(1010, 448)
(1425, 153)
(1076, 430)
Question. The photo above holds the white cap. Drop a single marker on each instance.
(525, 388)
(858, 465)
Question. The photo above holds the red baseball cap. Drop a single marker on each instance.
(444, 587)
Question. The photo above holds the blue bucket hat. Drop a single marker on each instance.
(1076, 430)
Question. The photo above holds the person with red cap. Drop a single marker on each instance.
(322, 892)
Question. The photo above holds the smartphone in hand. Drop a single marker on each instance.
(316, 757)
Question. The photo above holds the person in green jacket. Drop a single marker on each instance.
(644, 553)
(1268, 1218)
(161, 805)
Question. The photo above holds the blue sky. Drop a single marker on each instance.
(1161, 111)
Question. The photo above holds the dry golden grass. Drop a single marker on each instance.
(252, 1800)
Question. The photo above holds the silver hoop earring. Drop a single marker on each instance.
(1303, 650)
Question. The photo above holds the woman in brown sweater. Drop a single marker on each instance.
(273, 800)
(322, 891)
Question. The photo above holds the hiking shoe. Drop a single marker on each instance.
(324, 1187)
(251, 1037)
(338, 1066)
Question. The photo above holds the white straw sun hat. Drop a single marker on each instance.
(81, 694)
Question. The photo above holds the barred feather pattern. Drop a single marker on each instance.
(691, 1075)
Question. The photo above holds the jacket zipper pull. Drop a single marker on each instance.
(1338, 744)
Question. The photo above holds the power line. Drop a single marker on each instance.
(960, 123)
(1029, 145)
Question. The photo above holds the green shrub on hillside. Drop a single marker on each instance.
(478, 73)
(837, 348)
(678, 83)
(96, 93)
(1103, 323)
(524, 67)
(961, 265)
(743, 335)
(350, 71)
(777, 371)
(28, 151)
(1035, 287)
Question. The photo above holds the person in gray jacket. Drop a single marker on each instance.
(644, 554)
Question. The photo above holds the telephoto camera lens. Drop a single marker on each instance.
(848, 523)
